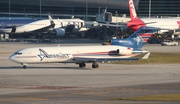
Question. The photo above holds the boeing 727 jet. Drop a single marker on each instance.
(82, 54)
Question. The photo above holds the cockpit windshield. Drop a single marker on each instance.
(18, 53)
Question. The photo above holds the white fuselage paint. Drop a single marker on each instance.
(67, 54)
(59, 23)
(164, 23)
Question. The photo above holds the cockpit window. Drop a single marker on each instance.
(18, 53)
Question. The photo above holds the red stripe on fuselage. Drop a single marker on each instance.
(26, 57)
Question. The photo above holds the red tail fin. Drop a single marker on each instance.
(132, 10)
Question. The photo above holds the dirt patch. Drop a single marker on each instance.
(5, 53)
(2, 47)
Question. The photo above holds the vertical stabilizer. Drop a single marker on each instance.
(132, 10)
(135, 22)
(137, 40)
(141, 36)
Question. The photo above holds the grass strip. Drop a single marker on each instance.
(155, 58)
(161, 97)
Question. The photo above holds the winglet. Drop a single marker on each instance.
(50, 18)
(51, 21)
(146, 56)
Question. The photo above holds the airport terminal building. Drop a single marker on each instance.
(87, 7)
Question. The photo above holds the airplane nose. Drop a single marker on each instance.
(12, 58)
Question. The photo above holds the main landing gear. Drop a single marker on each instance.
(95, 65)
(83, 65)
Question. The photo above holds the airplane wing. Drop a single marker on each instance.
(102, 59)
(44, 29)
(146, 56)
(107, 24)
(113, 25)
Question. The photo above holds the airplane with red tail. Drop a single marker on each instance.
(163, 23)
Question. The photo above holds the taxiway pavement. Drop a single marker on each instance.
(69, 84)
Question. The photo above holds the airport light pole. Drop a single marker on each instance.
(116, 21)
(149, 8)
(40, 8)
(86, 9)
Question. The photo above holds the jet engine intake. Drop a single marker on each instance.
(57, 32)
(124, 51)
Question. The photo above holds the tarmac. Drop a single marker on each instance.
(57, 83)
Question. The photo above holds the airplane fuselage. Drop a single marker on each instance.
(69, 54)
(165, 23)
(9, 25)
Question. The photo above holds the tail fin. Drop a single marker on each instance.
(135, 22)
(137, 40)
(146, 36)
(132, 10)
(141, 36)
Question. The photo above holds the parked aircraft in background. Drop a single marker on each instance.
(82, 54)
(56, 27)
(164, 23)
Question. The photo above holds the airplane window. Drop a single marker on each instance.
(18, 53)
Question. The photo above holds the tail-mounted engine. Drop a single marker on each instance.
(124, 51)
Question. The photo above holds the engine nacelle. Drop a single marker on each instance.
(163, 31)
(60, 32)
(57, 32)
(124, 51)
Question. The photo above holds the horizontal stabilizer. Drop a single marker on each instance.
(146, 56)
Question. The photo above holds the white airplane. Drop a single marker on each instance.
(164, 23)
(56, 27)
(82, 54)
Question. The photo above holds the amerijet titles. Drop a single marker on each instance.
(43, 54)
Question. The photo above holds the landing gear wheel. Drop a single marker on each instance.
(24, 66)
(95, 65)
(82, 65)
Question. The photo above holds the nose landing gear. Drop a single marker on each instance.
(24, 66)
